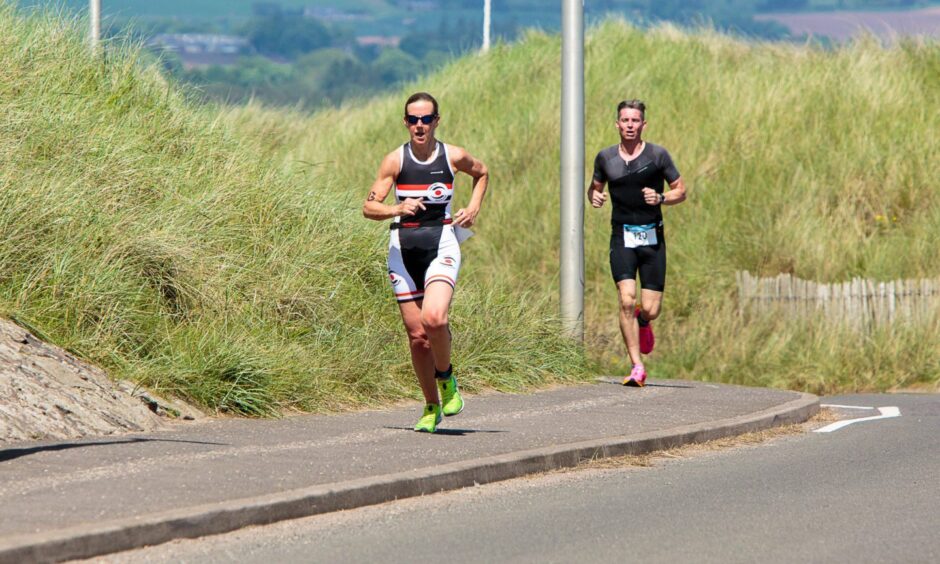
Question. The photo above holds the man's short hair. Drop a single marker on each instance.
(418, 97)
(633, 104)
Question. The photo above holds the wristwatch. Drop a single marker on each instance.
(662, 198)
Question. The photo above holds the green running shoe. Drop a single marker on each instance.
(450, 395)
(430, 419)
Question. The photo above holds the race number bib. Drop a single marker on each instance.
(639, 236)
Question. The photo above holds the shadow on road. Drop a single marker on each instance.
(13, 453)
(648, 384)
(450, 432)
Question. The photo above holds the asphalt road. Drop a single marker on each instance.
(868, 492)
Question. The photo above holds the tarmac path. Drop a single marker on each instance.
(867, 492)
(73, 499)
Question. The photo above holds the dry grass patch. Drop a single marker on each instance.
(824, 416)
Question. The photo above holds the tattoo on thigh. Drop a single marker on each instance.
(372, 196)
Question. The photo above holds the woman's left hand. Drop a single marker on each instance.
(465, 217)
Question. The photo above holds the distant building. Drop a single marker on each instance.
(419, 5)
(201, 43)
(328, 14)
(202, 49)
(378, 41)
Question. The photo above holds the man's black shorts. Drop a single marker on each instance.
(650, 261)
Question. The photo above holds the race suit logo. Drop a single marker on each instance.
(437, 192)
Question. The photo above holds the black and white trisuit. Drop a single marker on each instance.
(423, 247)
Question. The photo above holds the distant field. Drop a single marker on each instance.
(203, 8)
(843, 25)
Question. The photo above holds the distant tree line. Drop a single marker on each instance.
(299, 60)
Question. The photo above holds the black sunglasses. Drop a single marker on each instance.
(426, 120)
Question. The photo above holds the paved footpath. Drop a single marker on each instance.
(85, 498)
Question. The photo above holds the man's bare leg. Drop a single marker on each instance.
(651, 303)
(629, 329)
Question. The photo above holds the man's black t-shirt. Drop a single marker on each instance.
(653, 168)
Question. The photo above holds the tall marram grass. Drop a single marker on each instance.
(148, 234)
(821, 163)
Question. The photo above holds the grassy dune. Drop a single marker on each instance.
(817, 162)
(152, 236)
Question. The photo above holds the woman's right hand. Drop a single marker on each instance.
(410, 206)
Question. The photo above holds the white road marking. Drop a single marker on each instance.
(845, 406)
(886, 413)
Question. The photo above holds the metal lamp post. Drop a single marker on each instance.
(95, 16)
(486, 25)
(572, 169)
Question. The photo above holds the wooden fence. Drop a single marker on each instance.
(860, 303)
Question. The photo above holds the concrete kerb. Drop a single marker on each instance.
(86, 541)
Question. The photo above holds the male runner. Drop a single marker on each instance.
(636, 172)
(424, 251)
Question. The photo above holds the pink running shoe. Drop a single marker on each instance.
(647, 339)
(637, 377)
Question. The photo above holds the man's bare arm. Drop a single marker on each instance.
(595, 193)
(675, 194)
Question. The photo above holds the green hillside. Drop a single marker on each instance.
(222, 256)
(146, 233)
(795, 157)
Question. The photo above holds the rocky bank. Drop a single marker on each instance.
(46, 394)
